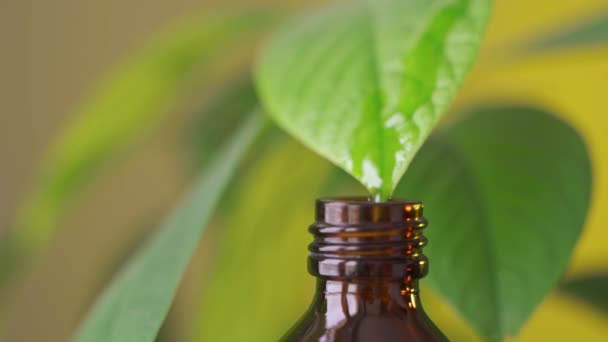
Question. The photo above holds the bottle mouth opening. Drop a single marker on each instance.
(362, 211)
(363, 200)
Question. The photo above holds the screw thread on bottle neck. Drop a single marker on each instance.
(361, 240)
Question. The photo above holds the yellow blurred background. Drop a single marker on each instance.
(54, 52)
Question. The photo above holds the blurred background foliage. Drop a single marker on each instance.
(551, 56)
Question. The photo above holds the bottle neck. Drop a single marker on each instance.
(367, 256)
(343, 299)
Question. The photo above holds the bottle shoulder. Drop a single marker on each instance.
(387, 327)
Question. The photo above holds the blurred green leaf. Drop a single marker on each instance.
(591, 289)
(588, 32)
(506, 193)
(134, 306)
(218, 118)
(129, 101)
(363, 83)
(260, 286)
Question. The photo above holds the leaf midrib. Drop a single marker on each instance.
(379, 101)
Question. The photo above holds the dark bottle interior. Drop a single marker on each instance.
(367, 258)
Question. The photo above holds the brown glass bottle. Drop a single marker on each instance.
(367, 258)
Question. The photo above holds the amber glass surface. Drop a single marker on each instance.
(367, 258)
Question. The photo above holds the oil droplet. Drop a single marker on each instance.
(399, 166)
(423, 118)
(370, 177)
(348, 164)
(396, 120)
(376, 197)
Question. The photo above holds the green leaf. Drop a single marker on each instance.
(587, 32)
(219, 117)
(134, 306)
(506, 192)
(364, 83)
(127, 103)
(590, 289)
(260, 286)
